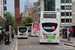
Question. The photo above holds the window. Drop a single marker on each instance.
(70, 7)
(29, 30)
(70, 13)
(62, 14)
(47, 26)
(5, 8)
(49, 15)
(70, 1)
(5, 2)
(67, 7)
(16, 0)
(62, 20)
(67, 20)
(70, 20)
(39, 10)
(62, 1)
(67, 1)
(22, 29)
(49, 5)
(62, 7)
(67, 13)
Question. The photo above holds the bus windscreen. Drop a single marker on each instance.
(22, 29)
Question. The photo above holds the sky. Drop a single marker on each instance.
(10, 5)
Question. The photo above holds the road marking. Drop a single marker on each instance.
(25, 47)
(49, 49)
(16, 45)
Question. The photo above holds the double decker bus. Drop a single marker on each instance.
(33, 29)
(49, 27)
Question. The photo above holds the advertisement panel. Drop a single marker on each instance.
(35, 27)
(49, 36)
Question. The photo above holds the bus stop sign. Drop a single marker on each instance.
(69, 27)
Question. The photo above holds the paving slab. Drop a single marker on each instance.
(65, 40)
(7, 47)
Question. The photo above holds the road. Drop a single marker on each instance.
(32, 43)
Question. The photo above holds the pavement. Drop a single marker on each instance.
(7, 47)
(69, 43)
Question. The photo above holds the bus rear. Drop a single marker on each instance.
(35, 29)
(49, 27)
(22, 32)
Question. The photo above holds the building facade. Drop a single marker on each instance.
(34, 12)
(2, 19)
(25, 14)
(2, 8)
(45, 5)
(66, 12)
(5, 5)
(73, 12)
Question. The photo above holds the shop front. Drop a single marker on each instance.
(2, 21)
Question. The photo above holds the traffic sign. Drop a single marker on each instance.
(69, 27)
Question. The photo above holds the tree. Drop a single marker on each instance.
(26, 20)
(9, 16)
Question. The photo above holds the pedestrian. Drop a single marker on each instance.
(60, 33)
(3, 35)
(70, 32)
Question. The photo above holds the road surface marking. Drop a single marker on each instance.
(16, 45)
(25, 47)
(49, 49)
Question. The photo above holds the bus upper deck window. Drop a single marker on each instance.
(49, 16)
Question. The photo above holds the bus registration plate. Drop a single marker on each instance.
(49, 41)
(22, 36)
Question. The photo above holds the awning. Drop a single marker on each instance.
(2, 19)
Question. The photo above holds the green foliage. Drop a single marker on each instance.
(26, 20)
(9, 16)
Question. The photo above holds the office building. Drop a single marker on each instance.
(45, 5)
(73, 12)
(66, 12)
(73, 16)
